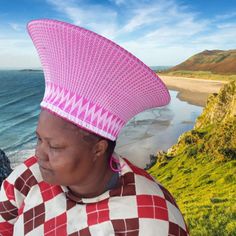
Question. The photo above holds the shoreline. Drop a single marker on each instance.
(146, 139)
(192, 90)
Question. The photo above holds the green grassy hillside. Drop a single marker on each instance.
(200, 170)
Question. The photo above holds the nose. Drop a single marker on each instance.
(41, 152)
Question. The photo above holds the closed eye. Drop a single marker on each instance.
(56, 146)
(47, 142)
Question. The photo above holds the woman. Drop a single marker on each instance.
(75, 184)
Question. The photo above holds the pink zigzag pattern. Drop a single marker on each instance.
(81, 111)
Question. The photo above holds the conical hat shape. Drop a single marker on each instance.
(91, 81)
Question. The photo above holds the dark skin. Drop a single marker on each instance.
(72, 157)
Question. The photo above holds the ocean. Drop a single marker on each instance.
(22, 90)
(20, 95)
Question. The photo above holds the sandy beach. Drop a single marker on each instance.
(194, 91)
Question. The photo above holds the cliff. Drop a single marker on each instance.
(200, 169)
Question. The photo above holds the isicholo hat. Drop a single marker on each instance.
(91, 81)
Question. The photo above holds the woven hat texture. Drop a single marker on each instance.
(91, 81)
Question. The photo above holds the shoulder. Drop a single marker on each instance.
(146, 184)
(27, 172)
(153, 200)
(22, 178)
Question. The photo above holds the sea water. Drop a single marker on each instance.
(20, 95)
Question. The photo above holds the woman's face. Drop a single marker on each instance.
(64, 156)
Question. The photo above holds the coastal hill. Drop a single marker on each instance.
(200, 169)
(214, 61)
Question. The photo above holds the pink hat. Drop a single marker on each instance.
(91, 81)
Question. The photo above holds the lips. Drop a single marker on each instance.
(43, 167)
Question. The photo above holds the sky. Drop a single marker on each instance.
(159, 32)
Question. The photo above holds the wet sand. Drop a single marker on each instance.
(194, 91)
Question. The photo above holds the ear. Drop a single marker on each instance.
(100, 148)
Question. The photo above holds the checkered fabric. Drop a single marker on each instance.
(138, 206)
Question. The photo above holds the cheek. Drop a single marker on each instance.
(60, 160)
(67, 161)
(62, 168)
(70, 168)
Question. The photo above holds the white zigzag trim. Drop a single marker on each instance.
(55, 95)
(81, 123)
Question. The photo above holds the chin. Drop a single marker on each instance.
(48, 176)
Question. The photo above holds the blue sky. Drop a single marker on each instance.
(159, 32)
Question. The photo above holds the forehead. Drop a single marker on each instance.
(51, 123)
(53, 126)
(47, 117)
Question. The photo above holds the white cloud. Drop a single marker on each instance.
(150, 28)
(118, 2)
(156, 17)
(142, 17)
(95, 17)
(14, 44)
(182, 33)
(16, 26)
(18, 53)
(230, 25)
(219, 39)
(24, 60)
(226, 16)
(158, 32)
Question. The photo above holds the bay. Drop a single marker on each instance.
(148, 132)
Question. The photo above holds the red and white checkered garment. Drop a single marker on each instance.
(139, 206)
